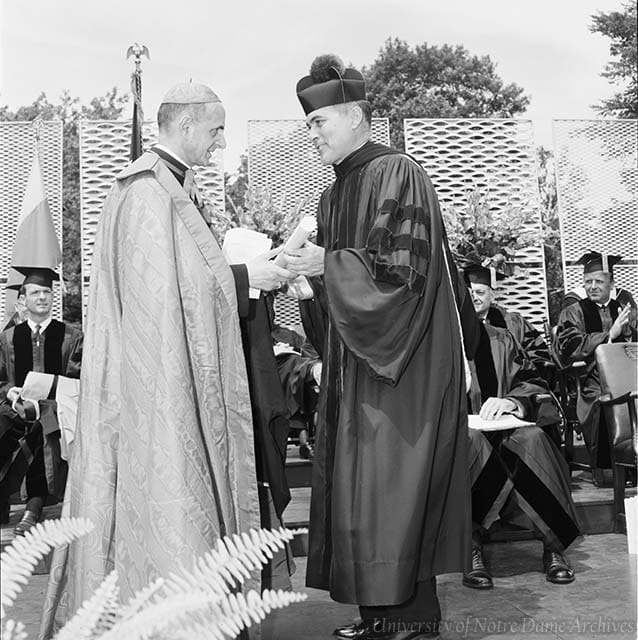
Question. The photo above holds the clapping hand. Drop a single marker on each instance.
(620, 322)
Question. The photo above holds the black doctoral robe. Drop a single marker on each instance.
(527, 337)
(34, 448)
(519, 468)
(390, 498)
(582, 327)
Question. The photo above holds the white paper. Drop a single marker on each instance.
(306, 227)
(506, 421)
(36, 386)
(242, 245)
(67, 395)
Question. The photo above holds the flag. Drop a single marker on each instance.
(138, 115)
(36, 243)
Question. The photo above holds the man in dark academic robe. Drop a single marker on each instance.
(582, 326)
(390, 489)
(30, 432)
(482, 285)
(517, 474)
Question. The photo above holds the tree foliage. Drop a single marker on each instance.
(69, 110)
(621, 28)
(437, 82)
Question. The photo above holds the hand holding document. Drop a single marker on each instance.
(306, 227)
(299, 287)
(506, 421)
(242, 245)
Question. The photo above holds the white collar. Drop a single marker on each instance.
(43, 325)
(165, 149)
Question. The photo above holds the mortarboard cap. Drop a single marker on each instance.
(595, 261)
(190, 93)
(482, 275)
(42, 276)
(329, 83)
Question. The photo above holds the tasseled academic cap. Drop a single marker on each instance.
(190, 93)
(482, 275)
(38, 275)
(594, 261)
(329, 83)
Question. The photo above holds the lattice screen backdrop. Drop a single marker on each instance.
(104, 152)
(17, 148)
(497, 157)
(282, 160)
(597, 180)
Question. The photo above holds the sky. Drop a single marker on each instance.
(253, 53)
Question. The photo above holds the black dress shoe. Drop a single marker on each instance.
(556, 568)
(28, 521)
(364, 631)
(306, 452)
(478, 577)
(361, 631)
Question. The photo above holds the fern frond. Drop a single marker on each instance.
(199, 614)
(98, 614)
(141, 599)
(13, 630)
(20, 558)
(227, 566)
(154, 618)
(237, 612)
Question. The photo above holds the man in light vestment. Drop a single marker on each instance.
(390, 506)
(164, 460)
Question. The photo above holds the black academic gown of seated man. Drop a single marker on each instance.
(582, 327)
(518, 472)
(527, 337)
(31, 449)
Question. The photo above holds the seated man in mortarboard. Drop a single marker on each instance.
(582, 326)
(29, 431)
(517, 475)
(482, 282)
(622, 296)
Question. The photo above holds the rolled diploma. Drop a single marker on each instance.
(305, 228)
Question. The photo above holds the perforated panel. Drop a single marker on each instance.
(497, 157)
(282, 159)
(597, 181)
(17, 147)
(104, 152)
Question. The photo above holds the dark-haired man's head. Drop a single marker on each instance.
(338, 115)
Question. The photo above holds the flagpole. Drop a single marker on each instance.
(137, 51)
